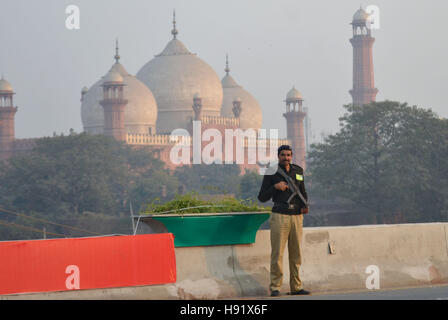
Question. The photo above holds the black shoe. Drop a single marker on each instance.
(275, 293)
(299, 292)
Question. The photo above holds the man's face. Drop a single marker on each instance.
(285, 157)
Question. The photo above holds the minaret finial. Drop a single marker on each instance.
(117, 56)
(227, 69)
(174, 32)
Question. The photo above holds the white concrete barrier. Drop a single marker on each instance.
(334, 258)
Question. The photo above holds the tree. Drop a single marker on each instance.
(250, 185)
(388, 158)
(210, 179)
(73, 174)
(157, 185)
(64, 177)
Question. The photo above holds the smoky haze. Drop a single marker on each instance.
(272, 45)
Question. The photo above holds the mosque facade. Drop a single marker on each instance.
(176, 90)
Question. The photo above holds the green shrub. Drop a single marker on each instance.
(191, 203)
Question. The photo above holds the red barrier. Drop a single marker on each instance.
(86, 263)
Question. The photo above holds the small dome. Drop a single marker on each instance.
(251, 114)
(360, 16)
(113, 76)
(5, 86)
(84, 90)
(294, 94)
(140, 114)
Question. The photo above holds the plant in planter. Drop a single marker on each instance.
(198, 222)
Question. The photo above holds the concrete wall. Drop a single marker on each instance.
(405, 255)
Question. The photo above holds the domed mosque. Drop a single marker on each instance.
(140, 114)
(169, 92)
(174, 76)
(176, 87)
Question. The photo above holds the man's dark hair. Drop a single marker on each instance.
(283, 147)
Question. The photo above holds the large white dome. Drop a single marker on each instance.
(140, 114)
(174, 76)
(251, 114)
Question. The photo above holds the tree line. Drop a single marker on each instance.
(93, 181)
(389, 159)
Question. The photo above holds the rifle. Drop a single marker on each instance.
(292, 186)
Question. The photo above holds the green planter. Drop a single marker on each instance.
(210, 229)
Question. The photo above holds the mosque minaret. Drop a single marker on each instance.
(7, 114)
(295, 115)
(114, 104)
(364, 90)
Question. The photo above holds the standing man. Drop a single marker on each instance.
(286, 187)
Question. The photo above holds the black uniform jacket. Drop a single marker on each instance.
(279, 197)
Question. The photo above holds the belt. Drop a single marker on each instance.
(285, 205)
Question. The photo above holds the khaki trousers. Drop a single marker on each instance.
(286, 228)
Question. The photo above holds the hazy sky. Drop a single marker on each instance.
(272, 45)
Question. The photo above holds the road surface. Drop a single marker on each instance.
(436, 292)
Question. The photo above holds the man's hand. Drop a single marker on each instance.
(282, 186)
(304, 210)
